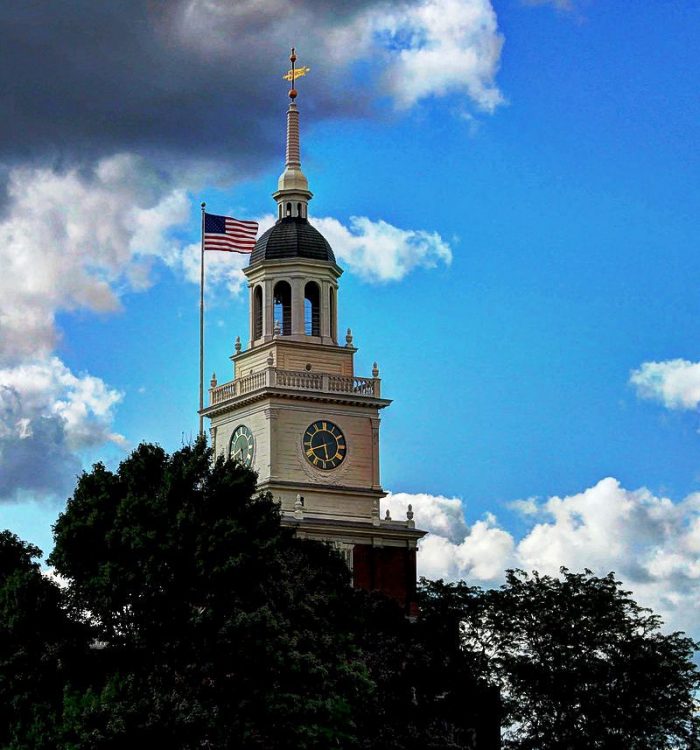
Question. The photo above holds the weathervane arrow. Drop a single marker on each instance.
(292, 75)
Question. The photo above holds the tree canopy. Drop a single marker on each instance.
(38, 645)
(220, 628)
(578, 663)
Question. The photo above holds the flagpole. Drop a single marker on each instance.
(201, 331)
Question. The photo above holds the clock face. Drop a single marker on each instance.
(242, 445)
(324, 445)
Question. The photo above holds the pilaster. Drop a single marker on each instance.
(375, 452)
(271, 414)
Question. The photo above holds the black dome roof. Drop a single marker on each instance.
(292, 237)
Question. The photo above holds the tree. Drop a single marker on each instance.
(579, 664)
(214, 626)
(217, 627)
(37, 643)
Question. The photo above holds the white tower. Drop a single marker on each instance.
(295, 410)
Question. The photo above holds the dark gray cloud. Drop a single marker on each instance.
(35, 457)
(185, 79)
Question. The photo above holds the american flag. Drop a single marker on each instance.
(226, 233)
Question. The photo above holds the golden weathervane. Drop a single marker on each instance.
(293, 73)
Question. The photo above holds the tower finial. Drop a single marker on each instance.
(293, 73)
(293, 193)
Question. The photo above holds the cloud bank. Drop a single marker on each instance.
(47, 416)
(75, 239)
(652, 543)
(191, 84)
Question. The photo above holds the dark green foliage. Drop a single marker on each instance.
(578, 662)
(37, 641)
(218, 627)
(193, 619)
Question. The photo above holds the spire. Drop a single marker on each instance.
(293, 193)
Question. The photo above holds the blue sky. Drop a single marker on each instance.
(522, 264)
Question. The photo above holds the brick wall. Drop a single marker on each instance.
(391, 570)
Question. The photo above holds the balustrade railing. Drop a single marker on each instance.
(296, 380)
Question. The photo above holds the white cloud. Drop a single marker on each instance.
(378, 251)
(73, 240)
(567, 5)
(452, 549)
(47, 416)
(675, 383)
(84, 403)
(526, 507)
(440, 47)
(652, 543)
(442, 516)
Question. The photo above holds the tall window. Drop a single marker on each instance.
(312, 309)
(331, 311)
(257, 313)
(298, 209)
(289, 209)
(282, 306)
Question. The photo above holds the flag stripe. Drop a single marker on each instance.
(228, 238)
(239, 222)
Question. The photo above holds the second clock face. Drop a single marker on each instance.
(242, 445)
(324, 445)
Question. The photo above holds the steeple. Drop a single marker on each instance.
(293, 193)
(296, 411)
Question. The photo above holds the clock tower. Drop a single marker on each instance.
(295, 410)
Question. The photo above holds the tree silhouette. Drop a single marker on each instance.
(191, 618)
(578, 663)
